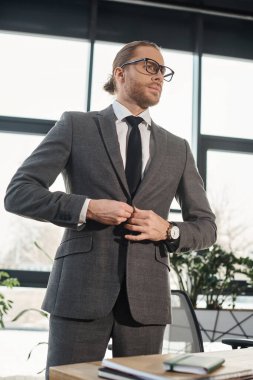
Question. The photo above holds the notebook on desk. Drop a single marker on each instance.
(191, 363)
(152, 368)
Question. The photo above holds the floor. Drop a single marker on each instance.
(15, 346)
(14, 350)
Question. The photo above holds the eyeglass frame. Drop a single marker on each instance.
(161, 67)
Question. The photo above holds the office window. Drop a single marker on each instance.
(23, 299)
(174, 112)
(25, 243)
(229, 186)
(104, 54)
(227, 97)
(41, 77)
(175, 216)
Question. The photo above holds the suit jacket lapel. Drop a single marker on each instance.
(107, 128)
(158, 146)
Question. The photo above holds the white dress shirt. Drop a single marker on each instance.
(123, 131)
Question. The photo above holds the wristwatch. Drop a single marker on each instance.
(173, 232)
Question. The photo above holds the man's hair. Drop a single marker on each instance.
(124, 55)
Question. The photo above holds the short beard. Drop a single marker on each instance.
(143, 101)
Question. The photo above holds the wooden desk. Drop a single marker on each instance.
(235, 360)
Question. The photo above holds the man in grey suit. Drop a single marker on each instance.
(110, 276)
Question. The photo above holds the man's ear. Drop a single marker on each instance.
(119, 74)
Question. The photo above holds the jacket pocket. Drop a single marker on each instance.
(73, 246)
(161, 255)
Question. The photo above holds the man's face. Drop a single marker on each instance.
(137, 86)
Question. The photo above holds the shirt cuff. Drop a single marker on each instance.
(83, 213)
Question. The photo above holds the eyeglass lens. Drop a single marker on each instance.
(153, 67)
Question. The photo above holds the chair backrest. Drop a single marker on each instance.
(183, 334)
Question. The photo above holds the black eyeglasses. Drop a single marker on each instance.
(153, 67)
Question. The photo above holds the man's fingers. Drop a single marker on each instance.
(139, 237)
(119, 221)
(136, 221)
(142, 214)
(108, 211)
(127, 208)
(132, 227)
(126, 214)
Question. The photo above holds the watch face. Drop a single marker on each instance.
(174, 232)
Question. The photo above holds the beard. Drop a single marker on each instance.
(137, 93)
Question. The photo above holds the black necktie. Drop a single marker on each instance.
(134, 154)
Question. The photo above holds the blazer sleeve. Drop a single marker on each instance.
(198, 229)
(28, 192)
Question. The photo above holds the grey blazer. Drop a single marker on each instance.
(85, 279)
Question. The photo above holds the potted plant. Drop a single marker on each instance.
(6, 304)
(210, 275)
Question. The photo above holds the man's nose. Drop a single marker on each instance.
(158, 77)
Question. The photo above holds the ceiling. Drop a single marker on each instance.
(233, 6)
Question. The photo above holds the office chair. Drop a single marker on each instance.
(183, 334)
(238, 343)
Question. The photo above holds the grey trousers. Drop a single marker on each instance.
(74, 341)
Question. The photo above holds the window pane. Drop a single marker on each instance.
(25, 298)
(168, 113)
(25, 243)
(227, 97)
(229, 185)
(174, 112)
(41, 77)
(104, 54)
(175, 216)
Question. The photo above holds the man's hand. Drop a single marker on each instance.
(109, 212)
(149, 225)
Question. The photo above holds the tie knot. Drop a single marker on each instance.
(134, 121)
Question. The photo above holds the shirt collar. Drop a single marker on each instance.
(121, 112)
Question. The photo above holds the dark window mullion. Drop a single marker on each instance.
(25, 125)
(28, 278)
